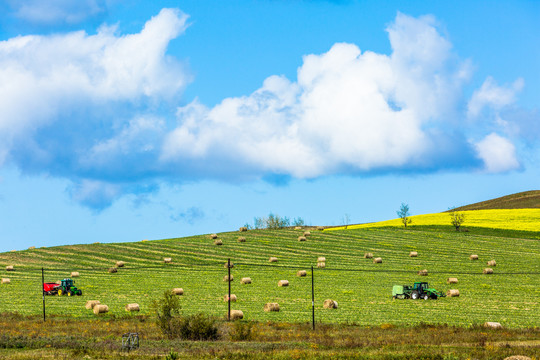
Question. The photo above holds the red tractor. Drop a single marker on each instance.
(66, 287)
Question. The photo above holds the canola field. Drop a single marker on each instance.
(362, 288)
(508, 219)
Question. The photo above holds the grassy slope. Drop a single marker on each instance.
(522, 200)
(361, 288)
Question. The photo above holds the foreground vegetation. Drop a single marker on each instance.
(25, 337)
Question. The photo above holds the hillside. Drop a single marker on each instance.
(522, 200)
(361, 287)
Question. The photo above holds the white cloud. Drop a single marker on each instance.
(56, 11)
(493, 96)
(348, 112)
(497, 153)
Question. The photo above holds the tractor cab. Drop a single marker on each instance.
(420, 286)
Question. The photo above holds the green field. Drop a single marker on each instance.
(361, 288)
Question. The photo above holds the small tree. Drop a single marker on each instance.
(457, 219)
(166, 309)
(404, 214)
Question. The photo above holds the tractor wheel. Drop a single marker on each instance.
(415, 295)
(79, 293)
(60, 292)
(69, 293)
(426, 297)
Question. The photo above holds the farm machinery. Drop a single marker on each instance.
(66, 287)
(420, 290)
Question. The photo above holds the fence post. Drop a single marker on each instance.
(229, 281)
(312, 298)
(43, 291)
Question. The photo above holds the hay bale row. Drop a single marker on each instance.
(452, 281)
(302, 238)
(90, 304)
(321, 259)
(167, 260)
(6, 281)
(245, 280)
(377, 260)
(321, 265)
(491, 263)
(301, 273)
(243, 228)
(100, 309)
(413, 254)
(113, 270)
(213, 236)
(226, 278)
(120, 264)
(241, 239)
(473, 257)
(75, 274)
(10, 268)
(368, 256)
(272, 259)
(237, 315)
(178, 291)
(452, 293)
(423, 272)
(283, 283)
(271, 307)
(218, 242)
(488, 271)
(133, 307)
(226, 298)
(330, 304)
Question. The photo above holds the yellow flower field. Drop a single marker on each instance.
(511, 219)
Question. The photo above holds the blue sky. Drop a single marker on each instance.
(130, 120)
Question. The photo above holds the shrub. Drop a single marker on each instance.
(241, 331)
(197, 327)
(166, 308)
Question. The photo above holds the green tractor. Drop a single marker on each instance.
(67, 287)
(420, 290)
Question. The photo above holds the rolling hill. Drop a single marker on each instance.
(522, 200)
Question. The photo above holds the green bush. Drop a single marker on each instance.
(166, 308)
(241, 331)
(197, 327)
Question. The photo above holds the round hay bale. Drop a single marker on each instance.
(423, 272)
(272, 259)
(320, 228)
(226, 265)
(473, 257)
(31, 248)
(10, 268)
(132, 307)
(271, 307)
(226, 278)
(213, 236)
(90, 304)
(488, 271)
(491, 263)
(321, 259)
(368, 256)
(167, 260)
(226, 298)
(245, 280)
(492, 325)
(236, 315)
(301, 273)
(120, 264)
(330, 304)
(113, 270)
(75, 274)
(6, 281)
(321, 265)
(218, 242)
(302, 238)
(100, 309)
(283, 283)
(377, 260)
(452, 281)
(517, 357)
(144, 240)
(413, 254)
(241, 239)
(307, 233)
(178, 291)
(243, 228)
(452, 293)
(297, 228)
